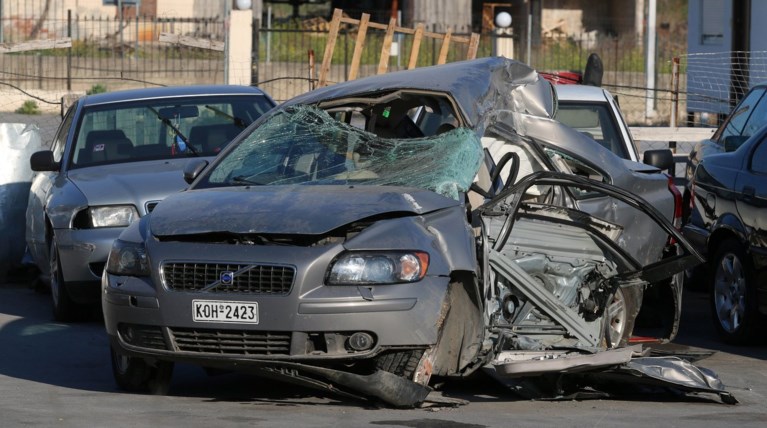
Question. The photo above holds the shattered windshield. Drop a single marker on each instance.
(305, 145)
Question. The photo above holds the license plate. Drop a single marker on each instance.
(223, 311)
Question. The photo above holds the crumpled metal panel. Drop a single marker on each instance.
(478, 86)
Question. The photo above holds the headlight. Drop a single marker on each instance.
(127, 258)
(112, 216)
(378, 268)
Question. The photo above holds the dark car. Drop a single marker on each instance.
(728, 223)
(746, 118)
(113, 158)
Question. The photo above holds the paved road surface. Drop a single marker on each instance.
(54, 374)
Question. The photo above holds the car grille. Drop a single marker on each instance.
(150, 206)
(231, 342)
(256, 279)
(142, 335)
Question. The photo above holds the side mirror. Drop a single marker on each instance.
(43, 161)
(662, 159)
(732, 142)
(193, 169)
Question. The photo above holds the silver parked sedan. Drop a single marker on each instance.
(114, 156)
(370, 235)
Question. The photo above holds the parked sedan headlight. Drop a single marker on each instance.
(112, 216)
(378, 268)
(127, 258)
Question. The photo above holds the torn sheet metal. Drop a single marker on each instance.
(598, 376)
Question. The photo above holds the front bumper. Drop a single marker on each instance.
(313, 327)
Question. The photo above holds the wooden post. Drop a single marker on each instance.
(445, 46)
(335, 24)
(383, 65)
(471, 52)
(416, 46)
(359, 45)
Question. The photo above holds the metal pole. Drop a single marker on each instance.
(254, 54)
(650, 70)
(69, 50)
(269, 35)
(2, 40)
(529, 33)
(675, 92)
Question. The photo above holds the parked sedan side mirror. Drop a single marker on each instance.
(662, 158)
(43, 161)
(193, 169)
(732, 142)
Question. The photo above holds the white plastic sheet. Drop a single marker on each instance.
(17, 143)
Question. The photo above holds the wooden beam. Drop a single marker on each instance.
(471, 52)
(327, 58)
(213, 45)
(383, 64)
(34, 45)
(416, 46)
(359, 45)
(445, 47)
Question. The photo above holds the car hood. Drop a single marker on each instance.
(130, 183)
(295, 209)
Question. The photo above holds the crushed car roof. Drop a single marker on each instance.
(478, 86)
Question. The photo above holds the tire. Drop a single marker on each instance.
(620, 315)
(64, 308)
(733, 300)
(401, 363)
(136, 375)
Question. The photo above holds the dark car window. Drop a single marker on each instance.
(759, 158)
(750, 114)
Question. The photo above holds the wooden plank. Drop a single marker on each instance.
(471, 52)
(34, 45)
(329, 47)
(416, 46)
(176, 39)
(383, 64)
(359, 45)
(445, 47)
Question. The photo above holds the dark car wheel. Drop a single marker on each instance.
(733, 294)
(136, 375)
(64, 308)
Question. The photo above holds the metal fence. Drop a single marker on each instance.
(109, 53)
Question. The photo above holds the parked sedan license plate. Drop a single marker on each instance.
(223, 311)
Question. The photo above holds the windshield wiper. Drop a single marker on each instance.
(236, 120)
(243, 180)
(178, 133)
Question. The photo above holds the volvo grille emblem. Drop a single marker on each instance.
(227, 277)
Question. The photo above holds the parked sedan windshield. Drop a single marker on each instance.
(162, 128)
(305, 145)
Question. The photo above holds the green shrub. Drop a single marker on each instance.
(29, 107)
(96, 89)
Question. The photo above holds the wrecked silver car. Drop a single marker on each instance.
(366, 238)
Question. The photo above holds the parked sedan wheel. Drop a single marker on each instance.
(136, 375)
(64, 308)
(733, 294)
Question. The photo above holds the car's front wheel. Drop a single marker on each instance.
(733, 294)
(136, 375)
(64, 308)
